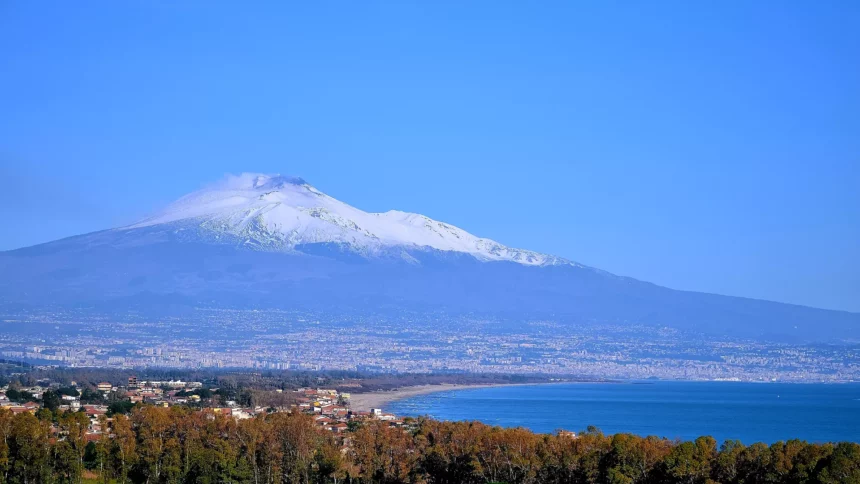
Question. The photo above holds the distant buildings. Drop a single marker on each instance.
(433, 343)
(329, 408)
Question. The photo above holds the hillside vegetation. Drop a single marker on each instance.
(179, 445)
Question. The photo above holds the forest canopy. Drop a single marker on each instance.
(179, 445)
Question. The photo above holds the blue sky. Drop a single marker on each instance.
(710, 146)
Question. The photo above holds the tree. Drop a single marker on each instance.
(152, 425)
(20, 396)
(755, 464)
(328, 461)
(69, 391)
(103, 449)
(90, 395)
(296, 437)
(449, 450)
(384, 454)
(180, 444)
(632, 459)
(567, 459)
(51, 400)
(5, 437)
(124, 446)
(726, 467)
(808, 461)
(843, 465)
(690, 462)
(13, 394)
(73, 427)
(508, 455)
(123, 407)
(250, 434)
(30, 451)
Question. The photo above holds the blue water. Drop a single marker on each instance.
(750, 412)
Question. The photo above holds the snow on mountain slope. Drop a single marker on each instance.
(274, 212)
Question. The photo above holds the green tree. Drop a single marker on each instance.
(73, 428)
(6, 417)
(30, 451)
(843, 465)
(152, 425)
(690, 462)
(726, 466)
(69, 391)
(51, 400)
(124, 445)
(123, 407)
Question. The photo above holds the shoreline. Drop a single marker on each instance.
(363, 402)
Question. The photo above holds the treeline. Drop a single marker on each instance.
(241, 379)
(181, 445)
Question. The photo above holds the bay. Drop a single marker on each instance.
(750, 412)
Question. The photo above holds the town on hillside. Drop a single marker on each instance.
(329, 408)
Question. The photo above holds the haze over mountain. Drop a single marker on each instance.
(258, 240)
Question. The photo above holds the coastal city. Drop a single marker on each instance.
(330, 409)
(430, 242)
(440, 343)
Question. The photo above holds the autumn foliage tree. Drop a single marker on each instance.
(183, 445)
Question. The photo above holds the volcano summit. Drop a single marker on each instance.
(279, 213)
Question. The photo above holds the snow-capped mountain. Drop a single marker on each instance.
(280, 213)
(261, 241)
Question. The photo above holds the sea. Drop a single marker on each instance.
(749, 412)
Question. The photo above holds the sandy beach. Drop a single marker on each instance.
(362, 402)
